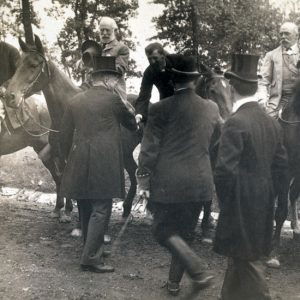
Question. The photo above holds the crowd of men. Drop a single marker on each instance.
(174, 165)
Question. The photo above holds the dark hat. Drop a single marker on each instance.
(104, 64)
(90, 48)
(183, 68)
(244, 67)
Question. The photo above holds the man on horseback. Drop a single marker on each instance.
(112, 47)
(91, 144)
(251, 162)
(280, 71)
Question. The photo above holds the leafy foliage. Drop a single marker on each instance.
(81, 24)
(223, 27)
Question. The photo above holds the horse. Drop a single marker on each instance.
(34, 132)
(35, 73)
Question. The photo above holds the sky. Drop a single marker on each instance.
(141, 27)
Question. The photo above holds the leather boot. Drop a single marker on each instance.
(189, 261)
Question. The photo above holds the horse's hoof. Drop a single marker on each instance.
(65, 218)
(55, 214)
(273, 263)
(107, 239)
(296, 235)
(76, 232)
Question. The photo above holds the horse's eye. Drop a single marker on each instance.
(33, 66)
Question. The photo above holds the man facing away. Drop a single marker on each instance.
(280, 71)
(174, 170)
(251, 156)
(94, 173)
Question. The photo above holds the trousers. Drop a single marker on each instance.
(94, 216)
(244, 280)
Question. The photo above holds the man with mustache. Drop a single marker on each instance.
(279, 71)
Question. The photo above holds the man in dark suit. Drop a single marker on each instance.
(158, 74)
(94, 173)
(174, 169)
(251, 156)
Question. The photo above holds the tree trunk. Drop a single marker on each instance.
(26, 20)
(196, 29)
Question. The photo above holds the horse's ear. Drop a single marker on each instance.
(23, 45)
(205, 69)
(38, 44)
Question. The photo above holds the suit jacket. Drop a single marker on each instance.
(251, 155)
(174, 152)
(91, 143)
(270, 85)
(163, 82)
(121, 52)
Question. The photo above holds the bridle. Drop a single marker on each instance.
(23, 105)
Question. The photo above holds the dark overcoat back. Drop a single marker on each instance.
(175, 148)
(91, 141)
(250, 154)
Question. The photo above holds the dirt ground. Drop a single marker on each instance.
(40, 260)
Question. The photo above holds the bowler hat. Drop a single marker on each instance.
(104, 64)
(90, 48)
(244, 67)
(183, 68)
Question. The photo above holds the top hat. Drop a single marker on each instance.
(90, 48)
(244, 68)
(183, 68)
(104, 64)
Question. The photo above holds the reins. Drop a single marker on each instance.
(23, 102)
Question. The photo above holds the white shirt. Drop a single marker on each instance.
(243, 101)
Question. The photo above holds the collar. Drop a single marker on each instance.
(292, 50)
(243, 101)
(110, 44)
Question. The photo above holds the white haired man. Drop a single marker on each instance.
(279, 71)
(112, 47)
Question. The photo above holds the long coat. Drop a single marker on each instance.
(270, 85)
(94, 167)
(250, 154)
(175, 148)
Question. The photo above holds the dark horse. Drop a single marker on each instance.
(35, 73)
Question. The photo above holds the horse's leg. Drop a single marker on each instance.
(41, 147)
(294, 196)
(130, 167)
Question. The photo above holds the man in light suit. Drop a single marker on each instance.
(279, 71)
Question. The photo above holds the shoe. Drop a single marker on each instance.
(204, 282)
(106, 253)
(173, 288)
(107, 239)
(207, 236)
(98, 268)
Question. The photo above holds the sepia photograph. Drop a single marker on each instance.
(149, 149)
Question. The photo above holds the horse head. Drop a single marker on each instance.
(31, 75)
(214, 86)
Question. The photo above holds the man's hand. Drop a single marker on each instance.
(145, 194)
(138, 118)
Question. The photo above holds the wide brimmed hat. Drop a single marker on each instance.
(90, 48)
(104, 64)
(183, 68)
(244, 68)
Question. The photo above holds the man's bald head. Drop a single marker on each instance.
(107, 27)
(289, 34)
